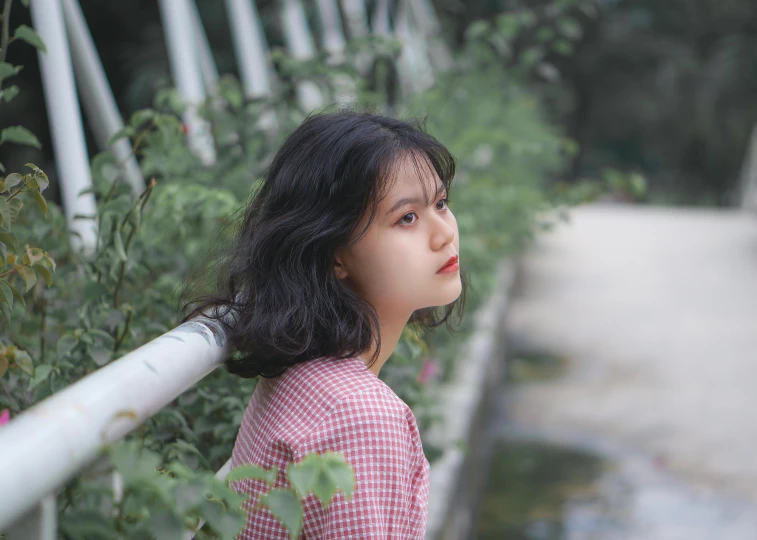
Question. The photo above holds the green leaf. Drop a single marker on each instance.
(17, 295)
(9, 93)
(477, 29)
(570, 28)
(41, 373)
(31, 255)
(286, 507)
(9, 239)
(140, 117)
(40, 200)
(24, 362)
(6, 294)
(43, 271)
(13, 179)
(99, 355)
(6, 311)
(135, 218)
(166, 525)
(3, 254)
(42, 180)
(322, 474)
(25, 2)
(19, 135)
(50, 261)
(134, 463)
(28, 275)
(127, 131)
(9, 70)
(103, 337)
(563, 47)
(339, 474)
(2, 168)
(5, 213)
(253, 472)
(189, 495)
(15, 206)
(302, 475)
(119, 245)
(65, 344)
(25, 33)
(227, 524)
(89, 524)
(93, 291)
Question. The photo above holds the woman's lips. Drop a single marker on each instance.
(451, 266)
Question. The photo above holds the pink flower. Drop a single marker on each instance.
(428, 371)
(5, 417)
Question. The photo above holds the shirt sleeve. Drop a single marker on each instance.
(378, 437)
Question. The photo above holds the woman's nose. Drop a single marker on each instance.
(445, 229)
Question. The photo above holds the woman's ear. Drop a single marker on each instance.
(340, 268)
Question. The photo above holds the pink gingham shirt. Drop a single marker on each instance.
(340, 406)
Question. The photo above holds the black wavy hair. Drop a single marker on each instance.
(277, 297)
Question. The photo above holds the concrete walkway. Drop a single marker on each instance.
(656, 308)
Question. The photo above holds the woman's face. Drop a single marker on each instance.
(395, 265)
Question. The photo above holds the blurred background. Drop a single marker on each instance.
(606, 149)
(664, 89)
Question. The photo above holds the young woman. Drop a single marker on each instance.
(348, 239)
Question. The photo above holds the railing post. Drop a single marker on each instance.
(300, 44)
(355, 17)
(203, 51)
(180, 41)
(356, 21)
(334, 43)
(416, 73)
(66, 127)
(251, 48)
(380, 19)
(97, 97)
(424, 17)
(39, 523)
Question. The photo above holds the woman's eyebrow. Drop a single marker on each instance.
(407, 200)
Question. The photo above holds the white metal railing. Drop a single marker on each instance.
(66, 127)
(48, 444)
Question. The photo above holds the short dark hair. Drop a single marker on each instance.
(278, 298)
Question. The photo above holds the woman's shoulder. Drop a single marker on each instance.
(325, 387)
(324, 382)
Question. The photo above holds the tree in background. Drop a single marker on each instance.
(663, 88)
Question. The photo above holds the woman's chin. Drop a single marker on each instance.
(448, 294)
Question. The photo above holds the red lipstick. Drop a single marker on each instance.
(450, 266)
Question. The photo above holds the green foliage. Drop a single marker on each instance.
(132, 492)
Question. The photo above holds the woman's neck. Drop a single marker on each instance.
(390, 328)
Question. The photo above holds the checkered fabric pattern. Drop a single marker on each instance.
(340, 406)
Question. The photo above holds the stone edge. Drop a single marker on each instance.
(460, 406)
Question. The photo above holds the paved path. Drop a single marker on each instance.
(657, 310)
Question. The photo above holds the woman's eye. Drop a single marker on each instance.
(402, 220)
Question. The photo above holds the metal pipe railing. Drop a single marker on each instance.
(66, 126)
(97, 97)
(67, 431)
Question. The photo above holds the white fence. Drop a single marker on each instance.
(50, 443)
